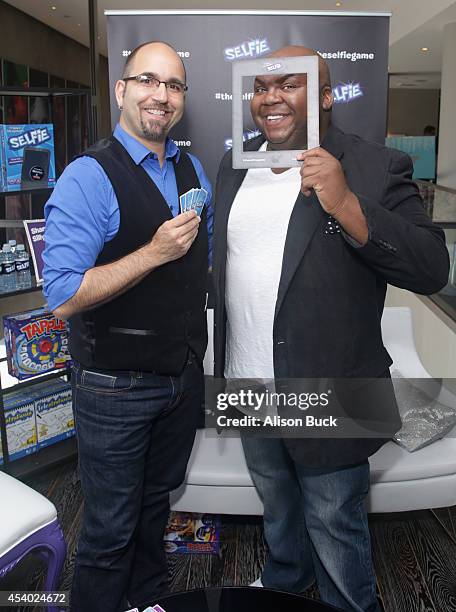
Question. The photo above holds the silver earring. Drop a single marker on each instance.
(121, 108)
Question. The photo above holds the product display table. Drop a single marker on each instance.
(238, 599)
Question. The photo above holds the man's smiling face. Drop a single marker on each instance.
(150, 115)
(279, 109)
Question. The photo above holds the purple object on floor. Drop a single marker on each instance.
(50, 544)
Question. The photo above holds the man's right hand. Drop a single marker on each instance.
(103, 283)
(173, 238)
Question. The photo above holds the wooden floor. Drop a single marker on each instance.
(414, 552)
(415, 560)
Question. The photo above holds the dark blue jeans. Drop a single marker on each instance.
(135, 433)
(315, 525)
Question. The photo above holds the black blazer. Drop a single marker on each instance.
(331, 292)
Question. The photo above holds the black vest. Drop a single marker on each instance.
(152, 325)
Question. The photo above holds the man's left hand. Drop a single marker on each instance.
(323, 173)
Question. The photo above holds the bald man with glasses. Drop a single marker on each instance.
(129, 272)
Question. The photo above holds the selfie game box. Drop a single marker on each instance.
(27, 156)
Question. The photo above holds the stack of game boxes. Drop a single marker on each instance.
(38, 416)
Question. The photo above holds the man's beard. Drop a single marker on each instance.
(153, 131)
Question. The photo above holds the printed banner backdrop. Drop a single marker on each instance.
(355, 45)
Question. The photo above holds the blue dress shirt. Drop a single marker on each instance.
(82, 214)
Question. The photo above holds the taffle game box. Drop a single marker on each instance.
(36, 342)
(27, 156)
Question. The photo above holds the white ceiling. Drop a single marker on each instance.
(414, 23)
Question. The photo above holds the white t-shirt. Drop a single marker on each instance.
(257, 229)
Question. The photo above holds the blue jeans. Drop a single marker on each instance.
(135, 433)
(315, 526)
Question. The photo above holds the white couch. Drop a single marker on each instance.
(218, 481)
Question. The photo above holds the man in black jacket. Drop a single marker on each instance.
(301, 263)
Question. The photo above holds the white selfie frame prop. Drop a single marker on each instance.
(274, 65)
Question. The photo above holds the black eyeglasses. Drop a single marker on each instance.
(150, 82)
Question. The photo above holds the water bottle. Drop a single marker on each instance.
(9, 268)
(12, 244)
(23, 278)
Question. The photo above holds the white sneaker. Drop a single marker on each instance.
(257, 583)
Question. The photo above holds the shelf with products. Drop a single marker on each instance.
(33, 287)
(64, 111)
(34, 98)
(37, 191)
(46, 458)
(35, 411)
(23, 384)
(40, 458)
(35, 407)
